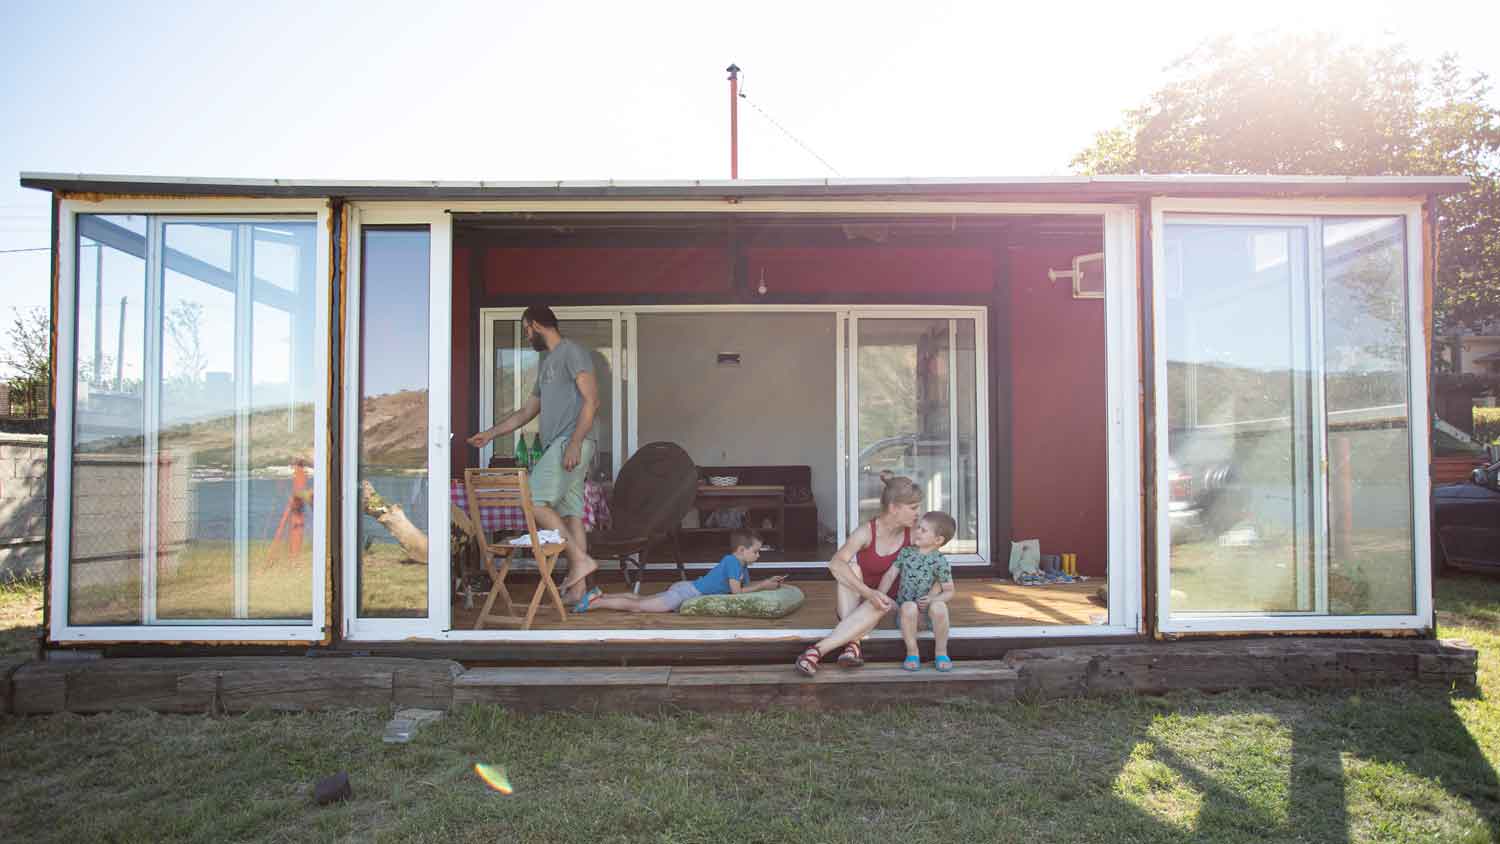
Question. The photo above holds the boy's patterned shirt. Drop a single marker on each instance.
(919, 572)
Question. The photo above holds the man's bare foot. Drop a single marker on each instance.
(576, 583)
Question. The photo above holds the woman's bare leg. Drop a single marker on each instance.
(909, 618)
(855, 626)
(848, 600)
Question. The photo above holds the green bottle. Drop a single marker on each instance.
(536, 448)
(523, 456)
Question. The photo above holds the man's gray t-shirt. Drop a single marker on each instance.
(557, 387)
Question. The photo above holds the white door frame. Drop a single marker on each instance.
(1297, 212)
(439, 398)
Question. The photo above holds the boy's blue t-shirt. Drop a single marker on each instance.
(716, 582)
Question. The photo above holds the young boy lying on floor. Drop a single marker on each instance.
(730, 577)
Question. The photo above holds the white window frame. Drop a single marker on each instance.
(65, 368)
(1298, 212)
(439, 399)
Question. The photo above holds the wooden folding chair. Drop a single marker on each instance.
(509, 488)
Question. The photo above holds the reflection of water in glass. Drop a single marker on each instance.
(213, 506)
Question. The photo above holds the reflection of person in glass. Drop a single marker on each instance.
(566, 395)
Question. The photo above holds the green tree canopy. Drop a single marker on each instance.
(1311, 104)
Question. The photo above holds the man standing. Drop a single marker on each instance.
(567, 397)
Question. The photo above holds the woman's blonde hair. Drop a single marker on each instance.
(898, 490)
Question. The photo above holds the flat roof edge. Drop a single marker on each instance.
(1086, 187)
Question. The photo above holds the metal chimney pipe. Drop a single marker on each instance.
(734, 121)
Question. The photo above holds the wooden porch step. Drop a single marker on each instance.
(730, 687)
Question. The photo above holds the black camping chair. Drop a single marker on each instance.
(656, 488)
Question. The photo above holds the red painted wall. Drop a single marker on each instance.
(465, 389)
(871, 270)
(509, 271)
(1059, 414)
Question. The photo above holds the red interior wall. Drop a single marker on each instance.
(573, 271)
(464, 389)
(1059, 413)
(871, 270)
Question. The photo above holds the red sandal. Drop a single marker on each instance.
(851, 657)
(807, 663)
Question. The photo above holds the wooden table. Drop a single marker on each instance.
(748, 498)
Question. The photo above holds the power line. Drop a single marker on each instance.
(37, 249)
(794, 138)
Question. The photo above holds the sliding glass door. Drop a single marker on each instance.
(396, 444)
(1286, 452)
(509, 370)
(916, 407)
(198, 396)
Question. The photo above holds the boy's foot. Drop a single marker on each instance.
(944, 663)
(807, 663)
(588, 597)
(851, 656)
(912, 663)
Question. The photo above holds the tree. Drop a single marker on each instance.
(1304, 104)
(28, 354)
(185, 327)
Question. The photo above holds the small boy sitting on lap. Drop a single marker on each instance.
(730, 577)
(926, 586)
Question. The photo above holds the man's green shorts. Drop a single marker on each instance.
(555, 488)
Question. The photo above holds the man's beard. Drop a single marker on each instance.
(538, 342)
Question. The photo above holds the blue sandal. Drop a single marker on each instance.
(583, 603)
(944, 663)
(912, 663)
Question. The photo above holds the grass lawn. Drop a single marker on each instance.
(1397, 765)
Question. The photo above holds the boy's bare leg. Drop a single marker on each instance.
(632, 603)
(909, 618)
(855, 626)
(580, 564)
(937, 613)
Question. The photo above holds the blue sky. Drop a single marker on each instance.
(596, 90)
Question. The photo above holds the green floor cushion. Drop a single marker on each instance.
(770, 603)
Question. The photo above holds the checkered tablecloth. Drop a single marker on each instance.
(492, 519)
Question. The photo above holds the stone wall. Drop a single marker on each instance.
(23, 504)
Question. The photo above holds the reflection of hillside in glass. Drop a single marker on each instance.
(1231, 394)
(278, 435)
(393, 430)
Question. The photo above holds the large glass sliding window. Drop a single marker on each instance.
(193, 421)
(1288, 466)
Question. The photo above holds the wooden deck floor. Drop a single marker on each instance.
(979, 603)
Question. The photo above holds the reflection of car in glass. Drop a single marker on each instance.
(915, 458)
(1466, 521)
(1204, 500)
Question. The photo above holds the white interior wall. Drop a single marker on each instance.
(778, 407)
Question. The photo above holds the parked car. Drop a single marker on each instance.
(1466, 521)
